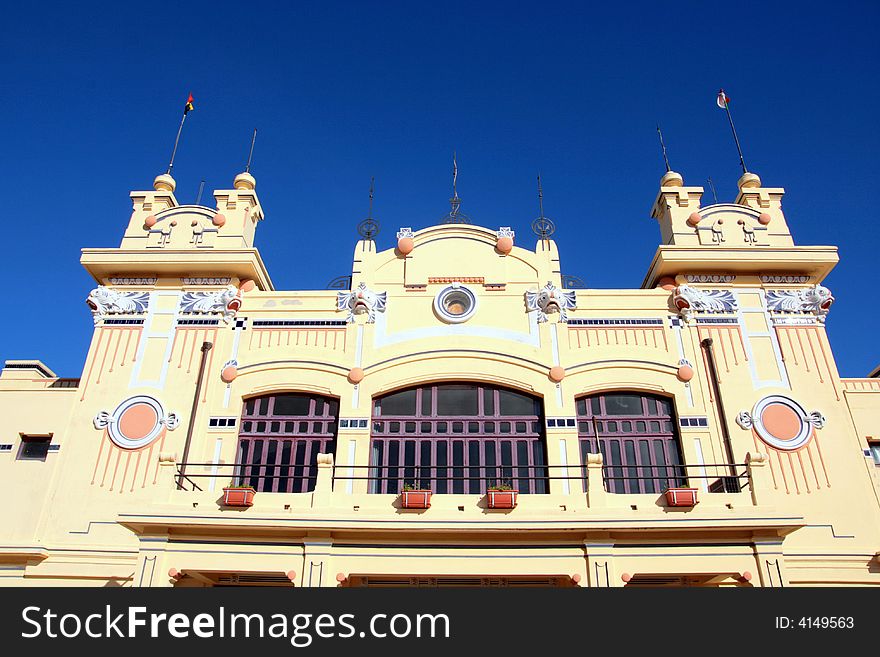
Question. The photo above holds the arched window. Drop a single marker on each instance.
(636, 434)
(458, 438)
(280, 439)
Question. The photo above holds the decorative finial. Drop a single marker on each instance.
(369, 227)
(543, 226)
(455, 216)
(164, 183)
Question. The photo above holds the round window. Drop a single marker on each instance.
(455, 304)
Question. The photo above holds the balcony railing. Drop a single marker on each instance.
(466, 480)
(454, 479)
(264, 478)
(657, 479)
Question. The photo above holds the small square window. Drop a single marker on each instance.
(875, 452)
(34, 448)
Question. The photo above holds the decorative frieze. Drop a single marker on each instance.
(710, 278)
(225, 301)
(208, 280)
(149, 280)
(783, 278)
(690, 300)
(816, 300)
(105, 301)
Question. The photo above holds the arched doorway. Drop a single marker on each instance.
(457, 438)
(280, 438)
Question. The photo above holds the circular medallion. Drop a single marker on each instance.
(136, 422)
(782, 423)
(455, 304)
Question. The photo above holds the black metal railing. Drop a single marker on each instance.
(264, 478)
(659, 478)
(453, 479)
(647, 479)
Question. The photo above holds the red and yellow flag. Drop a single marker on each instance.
(189, 105)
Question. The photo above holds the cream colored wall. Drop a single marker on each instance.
(30, 407)
(118, 517)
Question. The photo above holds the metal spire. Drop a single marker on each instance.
(543, 227)
(663, 147)
(247, 169)
(455, 215)
(712, 187)
(369, 227)
(723, 102)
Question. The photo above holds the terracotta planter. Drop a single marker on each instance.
(237, 496)
(416, 499)
(501, 499)
(681, 496)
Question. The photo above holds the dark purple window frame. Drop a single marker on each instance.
(639, 449)
(460, 454)
(277, 452)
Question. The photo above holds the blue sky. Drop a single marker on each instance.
(340, 92)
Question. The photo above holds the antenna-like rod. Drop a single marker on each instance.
(540, 197)
(723, 102)
(712, 187)
(247, 169)
(454, 176)
(187, 108)
(370, 214)
(201, 189)
(663, 147)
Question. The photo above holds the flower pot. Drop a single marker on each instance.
(681, 496)
(416, 499)
(501, 499)
(238, 496)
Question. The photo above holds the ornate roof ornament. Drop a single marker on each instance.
(550, 299)
(226, 301)
(816, 300)
(690, 300)
(361, 300)
(543, 226)
(107, 301)
(369, 227)
(455, 216)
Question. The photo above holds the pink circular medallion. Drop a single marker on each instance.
(781, 421)
(137, 421)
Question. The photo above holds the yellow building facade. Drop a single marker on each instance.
(456, 416)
